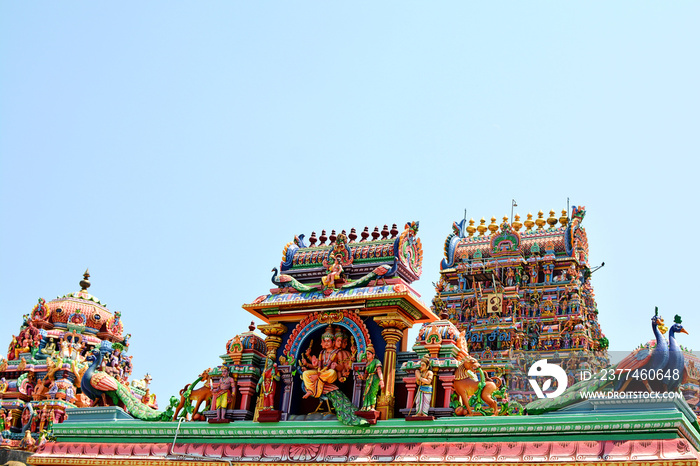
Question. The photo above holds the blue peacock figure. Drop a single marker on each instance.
(676, 362)
(99, 385)
(645, 358)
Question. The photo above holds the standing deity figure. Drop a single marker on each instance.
(220, 392)
(344, 358)
(321, 370)
(424, 382)
(510, 277)
(333, 273)
(374, 380)
(3, 386)
(267, 385)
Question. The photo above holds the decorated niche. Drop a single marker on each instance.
(506, 241)
(347, 319)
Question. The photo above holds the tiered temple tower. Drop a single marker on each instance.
(523, 294)
(41, 376)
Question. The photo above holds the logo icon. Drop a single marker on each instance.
(543, 369)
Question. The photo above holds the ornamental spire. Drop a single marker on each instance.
(85, 283)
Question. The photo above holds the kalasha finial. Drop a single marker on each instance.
(365, 234)
(251, 327)
(394, 231)
(85, 283)
(352, 235)
(385, 232)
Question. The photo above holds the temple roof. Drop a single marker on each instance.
(506, 243)
(308, 263)
(79, 310)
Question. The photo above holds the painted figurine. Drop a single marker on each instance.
(322, 370)
(374, 380)
(333, 273)
(424, 382)
(267, 385)
(344, 358)
(220, 393)
(3, 386)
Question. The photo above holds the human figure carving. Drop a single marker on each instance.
(424, 383)
(321, 372)
(374, 380)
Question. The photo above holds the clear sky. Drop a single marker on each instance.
(175, 147)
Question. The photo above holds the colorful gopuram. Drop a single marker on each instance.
(523, 294)
(41, 377)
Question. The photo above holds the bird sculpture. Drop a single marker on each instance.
(284, 281)
(381, 272)
(99, 385)
(645, 357)
(676, 361)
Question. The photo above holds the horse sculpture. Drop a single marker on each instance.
(466, 386)
(199, 396)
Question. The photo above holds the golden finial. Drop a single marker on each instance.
(85, 283)
(516, 223)
(552, 220)
(540, 222)
(471, 229)
(564, 219)
(529, 223)
(493, 228)
(482, 227)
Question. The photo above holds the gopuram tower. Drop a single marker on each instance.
(522, 292)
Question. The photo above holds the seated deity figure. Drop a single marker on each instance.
(321, 371)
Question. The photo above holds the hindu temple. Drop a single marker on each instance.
(331, 376)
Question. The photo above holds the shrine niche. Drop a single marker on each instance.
(331, 302)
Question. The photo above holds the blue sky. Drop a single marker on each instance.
(174, 148)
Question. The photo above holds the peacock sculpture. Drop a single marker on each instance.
(676, 361)
(381, 272)
(661, 357)
(287, 281)
(100, 385)
(645, 357)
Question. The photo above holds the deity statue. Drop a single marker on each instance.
(374, 380)
(321, 370)
(344, 358)
(424, 382)
(27, 442)
(50, 348)
(333, 272)
(3, 386)
(147, 397)
(267, 385)
(220, 392)
(43, 417)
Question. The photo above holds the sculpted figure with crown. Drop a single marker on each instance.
(321, 371)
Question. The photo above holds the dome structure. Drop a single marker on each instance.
(80, 312)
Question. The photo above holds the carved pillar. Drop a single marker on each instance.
(287, 379)
(246, 389)
(393, 326)
(448, 384)
(273, 335)
(411, 387)
(359, 384)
